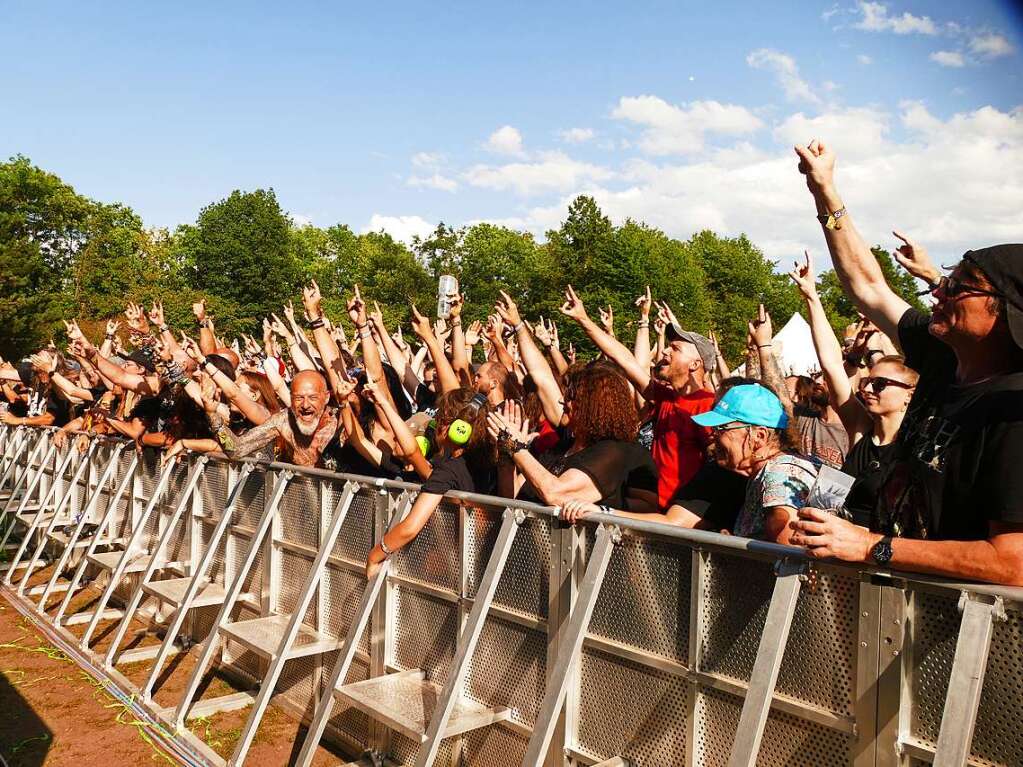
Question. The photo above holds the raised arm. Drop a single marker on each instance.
(855, 265)
(254, 439)
(546, 384)
(207, 341)
(459, 359)
(403, 435)
(641, 348)
(770, 372)
(616, 351)
(82, 347)
(829, 354)
(446, 378)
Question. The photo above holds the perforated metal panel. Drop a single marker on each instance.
(404, 751)
(935, 630)
(298, 679)
(424, 632)
(524, 584)
(343, 592)
(509, 669)
(300, 512)
(493, 747)
(644, 601)
(251, 500)
(998, 737)
(433, 556)
(787, 740)
(292, 572)
(735, 593)
(627, 709)
(356, 538)
(213, 489)
(346, 719)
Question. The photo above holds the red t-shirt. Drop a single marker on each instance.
(680, 445)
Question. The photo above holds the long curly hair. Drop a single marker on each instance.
(602, 405)
(462, 404)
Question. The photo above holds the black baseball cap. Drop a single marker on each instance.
(142, 360)
(1003, 266)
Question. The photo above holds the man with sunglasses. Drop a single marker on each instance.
(951, 502)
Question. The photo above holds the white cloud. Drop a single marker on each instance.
(875, 18)
(301, 220)
(953, 184)
(427, 159)
(401, 228)
(436, 181)
(990, 45)
(671, 129)
(948, 59)
(864, 59)
(860, 131)
(576, 135)
(505, 140)
(550, 172)
(785, 69)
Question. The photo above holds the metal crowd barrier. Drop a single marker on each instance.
(499, 636)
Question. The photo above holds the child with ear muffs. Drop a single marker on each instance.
(463, 459)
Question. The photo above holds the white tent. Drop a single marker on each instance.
(793, 346)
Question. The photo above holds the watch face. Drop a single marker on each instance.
(882, 551)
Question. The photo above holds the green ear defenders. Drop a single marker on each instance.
(460, 431)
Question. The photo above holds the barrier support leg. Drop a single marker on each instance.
(470, 636)
(966, 681)
(344, 659)
(766, 666)
(569, 647)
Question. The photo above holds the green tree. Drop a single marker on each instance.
(241, 250)
(42, 227)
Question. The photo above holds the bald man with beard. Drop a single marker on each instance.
(304, 430)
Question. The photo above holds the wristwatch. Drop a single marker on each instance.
(832, 220)
(881, 552)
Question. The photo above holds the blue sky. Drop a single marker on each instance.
(401, 115)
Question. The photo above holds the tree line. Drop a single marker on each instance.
(64, 255)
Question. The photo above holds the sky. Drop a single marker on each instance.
(397, 116)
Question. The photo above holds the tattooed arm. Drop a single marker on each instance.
(254, 439)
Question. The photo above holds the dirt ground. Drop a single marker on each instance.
(56, 714)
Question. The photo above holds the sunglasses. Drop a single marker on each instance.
(953, 288)
(879, 383)
(728, 427)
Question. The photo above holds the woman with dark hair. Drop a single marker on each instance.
(603, 462)
(871, 415)
(464, 461)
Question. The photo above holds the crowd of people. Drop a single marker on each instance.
(924, 413)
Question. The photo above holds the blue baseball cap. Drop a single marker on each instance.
(749, 403)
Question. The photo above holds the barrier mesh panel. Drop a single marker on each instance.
(424, 632)
(433, 556)
(819, 666)
(299, 512)
(346, 719)
(644, 600)
(493, 747)
(250, 501)
(788, 740)
(213, 489)
(509, 669)
(293, 571)
(735, 594)
(523, 586)
(627, 709)
(343, 592)
(356, 538)
(998, 737)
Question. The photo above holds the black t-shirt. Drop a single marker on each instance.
(461, 472)
(721, 490)
(868, 463)
(43, 400)
(959, 453)
(614, 467)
